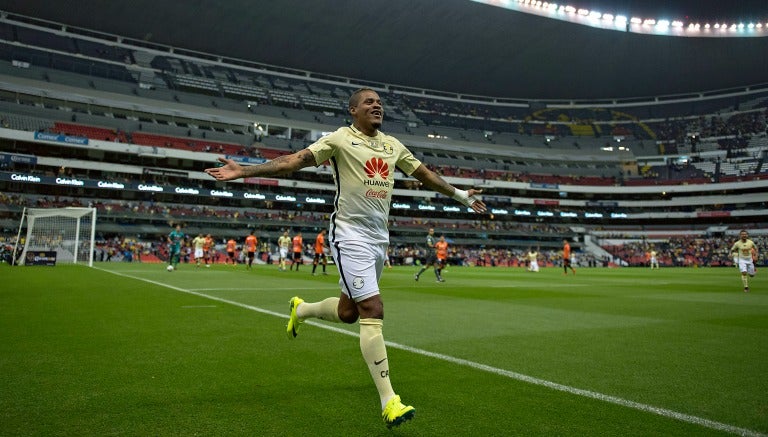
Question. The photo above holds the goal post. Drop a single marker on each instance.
(69, 232)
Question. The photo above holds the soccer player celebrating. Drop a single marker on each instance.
(745, 254)
(319, 252)
(175, 238)
(567, 258)
(431, 259)
(363, 162)
(283, 243)
(250, 248)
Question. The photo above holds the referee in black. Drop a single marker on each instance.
(431, 256)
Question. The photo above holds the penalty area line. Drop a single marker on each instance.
(711, 424)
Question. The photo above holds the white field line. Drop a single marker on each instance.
(335, 287)
(495, 370)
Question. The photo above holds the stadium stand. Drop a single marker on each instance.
(561, 171)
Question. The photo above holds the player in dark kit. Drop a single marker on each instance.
(431, 256)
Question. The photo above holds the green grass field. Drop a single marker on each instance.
(130, 349)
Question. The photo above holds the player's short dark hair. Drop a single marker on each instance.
(354, 99)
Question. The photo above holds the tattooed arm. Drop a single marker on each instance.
(279, 166)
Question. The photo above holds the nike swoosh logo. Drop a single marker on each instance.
(355, 144)
(376, 363)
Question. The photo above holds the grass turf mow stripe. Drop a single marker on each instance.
(473, 365)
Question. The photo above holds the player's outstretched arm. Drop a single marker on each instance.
(434, 182)
(279, 166)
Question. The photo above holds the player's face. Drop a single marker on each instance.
(743, 236)
(368, 113)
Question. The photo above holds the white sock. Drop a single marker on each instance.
(375, 356)
(327, 309)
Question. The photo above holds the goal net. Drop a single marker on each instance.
(69, 232)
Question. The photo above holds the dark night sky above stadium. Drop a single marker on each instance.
(417, 43)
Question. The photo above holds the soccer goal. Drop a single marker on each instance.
(69, 232)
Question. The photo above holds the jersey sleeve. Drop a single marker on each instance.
(406, 161)
(324, 148)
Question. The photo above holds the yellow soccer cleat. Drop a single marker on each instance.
(292, 328)
(396, 413)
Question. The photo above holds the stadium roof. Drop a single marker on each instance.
(448, 45)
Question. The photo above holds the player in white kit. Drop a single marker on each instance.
(363, 161)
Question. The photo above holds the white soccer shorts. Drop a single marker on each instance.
(747, 266)
(360, 266)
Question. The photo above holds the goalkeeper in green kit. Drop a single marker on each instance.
(175, 239)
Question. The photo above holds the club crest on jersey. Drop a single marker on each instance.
(388, 149)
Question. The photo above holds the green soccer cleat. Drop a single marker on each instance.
(292, 328)
(396, 413)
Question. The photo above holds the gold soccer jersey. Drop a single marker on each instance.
(198, 243)
(284, 242)
(364, 173)
(744, 249)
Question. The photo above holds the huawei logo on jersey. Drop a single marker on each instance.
(376, 166)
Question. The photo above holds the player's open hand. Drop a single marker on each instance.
(476, 204)
(227, 172)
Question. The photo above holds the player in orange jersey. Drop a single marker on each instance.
(207, 249)
(250, 247)
(231, 248)
(298, 247)
(441, 251)
(567, 258)
(319, 252)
